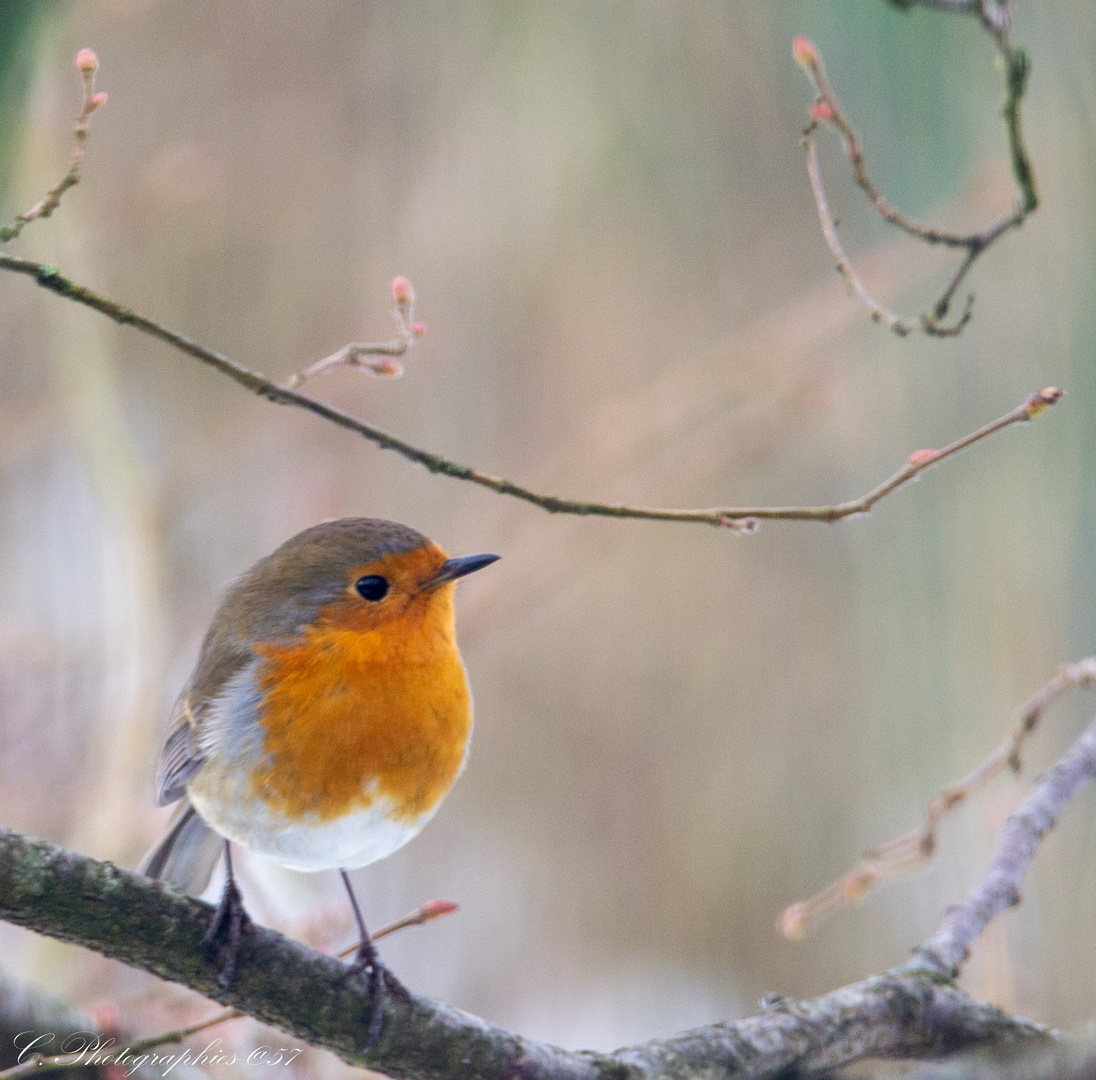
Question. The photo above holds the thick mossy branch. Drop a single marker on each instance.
(313, 997)
(278, 981)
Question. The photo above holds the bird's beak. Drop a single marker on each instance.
(452, 569)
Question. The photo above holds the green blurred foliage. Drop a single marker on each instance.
(20, 22)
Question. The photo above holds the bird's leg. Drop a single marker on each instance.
(230, 917)
(379, 980)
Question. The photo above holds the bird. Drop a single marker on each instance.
(326, 718)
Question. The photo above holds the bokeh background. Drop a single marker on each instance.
(604, 211)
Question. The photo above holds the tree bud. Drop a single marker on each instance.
(87, 61)
(804, 53)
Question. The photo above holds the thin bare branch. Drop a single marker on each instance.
(738, 518)
(969, 6)
(856, 287)
(947, 950)
(377, 358)
(826, 110)
(431, 910)
(993, 13)
(914, 849)
(87, 64)
(996, 13)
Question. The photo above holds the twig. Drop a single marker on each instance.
(740, 519)
(879, 313)
(87, 63)
(942, 5)
(913, 850)
(432, 909)
(994, 13)
(826, 110)
(36, 1063)
(947, 950)
(379, 358)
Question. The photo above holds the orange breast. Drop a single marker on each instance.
(349, 717)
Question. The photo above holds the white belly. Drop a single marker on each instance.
(356, 839)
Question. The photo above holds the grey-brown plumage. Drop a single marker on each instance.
(280, 592)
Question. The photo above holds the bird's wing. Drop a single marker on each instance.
(181, 756)
(187, 744)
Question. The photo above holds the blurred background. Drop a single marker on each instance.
(605, 215)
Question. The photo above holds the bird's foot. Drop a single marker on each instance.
(228, 922)
(379, 982)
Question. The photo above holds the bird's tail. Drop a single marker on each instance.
(186, 855)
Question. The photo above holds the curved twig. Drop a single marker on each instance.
(378, 358)
(739, 518)
(825, 109)
(913, 850)
(947, 950)
(86, 64)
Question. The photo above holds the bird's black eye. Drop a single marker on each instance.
(372, 587)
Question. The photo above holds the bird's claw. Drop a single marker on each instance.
(229, 919)
(380, 984)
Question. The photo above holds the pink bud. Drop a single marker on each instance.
(1042, 400)
(385, 365)
(401, 291)
(87, 61)
(418, 329)
(821, 111)
(793, 921)
(804, 53)
(434, 909)
(922, 457)
(97, 100)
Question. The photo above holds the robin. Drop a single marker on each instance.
(326, 719)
